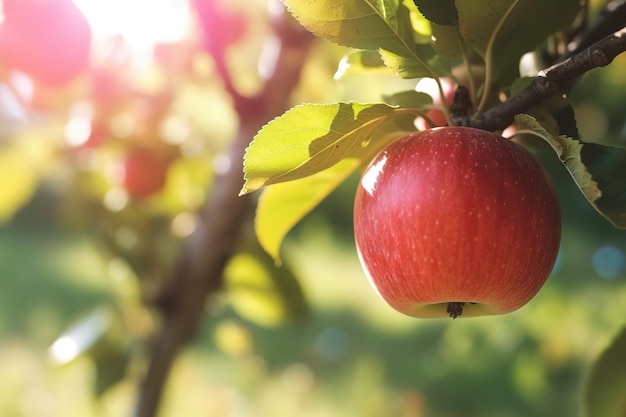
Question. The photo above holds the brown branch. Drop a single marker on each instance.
(199, 270)
(610, 19)
(550, 82)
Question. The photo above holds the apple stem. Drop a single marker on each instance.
(455, 309)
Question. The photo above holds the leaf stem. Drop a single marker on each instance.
(445, 107)
(489, 58)
(468, 66)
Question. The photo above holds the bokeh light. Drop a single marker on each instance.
(141, 23)
(609, 262)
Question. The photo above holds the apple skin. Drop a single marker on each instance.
(49, 40)
(456, 217)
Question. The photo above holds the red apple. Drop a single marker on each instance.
(144, 172)
(456, 221)
(49, 40)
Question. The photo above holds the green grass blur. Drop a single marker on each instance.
(353, 356)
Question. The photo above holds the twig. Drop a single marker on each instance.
(199, 270)
(550, 82)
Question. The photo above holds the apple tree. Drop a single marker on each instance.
(189, 163)
(436, 230)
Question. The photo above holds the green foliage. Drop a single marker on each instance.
(17, 183)
(371, 25)
(306, 144)
(283, 205)
(605, 394)
(177, 106)
(303, 147)
(499, 25)
(261, 292)
(409, 99)
(441, 12)
(361, 24)
(598, 170)
(310, 138)
(423, 62)
(360, 62)
(608, 167)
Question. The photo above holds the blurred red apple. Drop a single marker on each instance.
(49, 40)
(144, 172)
(219, 26)
(456, 221)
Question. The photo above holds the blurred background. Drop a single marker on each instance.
(109, 147)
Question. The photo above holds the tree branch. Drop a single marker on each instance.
(208, 249)
(557, 79)
(609, 20)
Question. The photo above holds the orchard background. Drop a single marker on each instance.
(131, 277)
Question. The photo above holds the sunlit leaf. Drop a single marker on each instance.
(411, 99)
(310, 138)
(361, 62)
(233, 338)
(424, 62)
(598, 170)
(18, 181)
(360, 24)
(371, 25)
(283, 205)
(261, 292)
(421, 25)
(605, 393)
(186, 180)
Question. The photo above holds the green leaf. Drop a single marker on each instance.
(18, 182)
(370, 25)
(424, 62)
(361, 62)
(442, 12)
(310, 138)
(262, 293)
(528, 25)
(605, 392)
(360, 24)
(598, 170)
(283, 205)
(447, 40)
(608, 167)
(409, 99)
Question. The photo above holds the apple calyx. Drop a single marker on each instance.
(455, 309)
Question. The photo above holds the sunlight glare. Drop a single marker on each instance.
(64, 349)
(141, 23)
